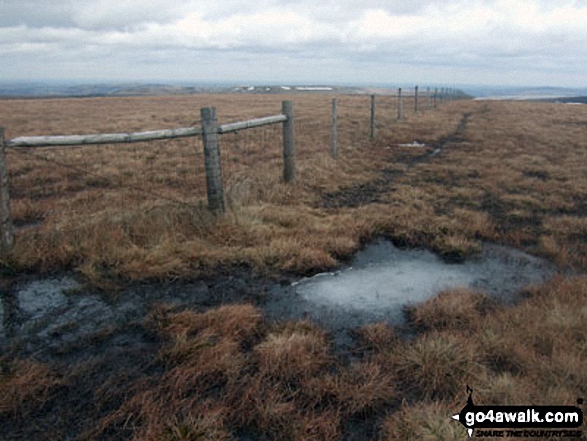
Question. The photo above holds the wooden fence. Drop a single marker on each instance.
(209, 131)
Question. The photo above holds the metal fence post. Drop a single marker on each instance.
(289, 143)
(6, 226)
(334, 133)
(212, 158)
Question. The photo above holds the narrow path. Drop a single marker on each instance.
(371, 192)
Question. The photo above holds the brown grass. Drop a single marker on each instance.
(376, 338)
(295, 353)
(515, 177)
(291, 386)
(437, 365)
(423, 421)
(138, 211)
(225, 371)
(456, 309)
(25, 386)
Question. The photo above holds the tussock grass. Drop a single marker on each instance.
(515, 176)
(455, 309)
(138, 211)
(376, 338)
(436, 365)
(284, 387)
(424, 421)
(225, 371)
(297, 352)
(360, 388)
(25, 386)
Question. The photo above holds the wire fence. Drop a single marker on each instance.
(51, 187)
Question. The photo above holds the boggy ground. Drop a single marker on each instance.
(506, 172)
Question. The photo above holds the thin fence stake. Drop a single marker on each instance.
(435, 97)
(6, 226)
(399, 104)
(416, 100)
(334, 133)
(289, 142)
(428, 97)
(373, 128)
(212, 159)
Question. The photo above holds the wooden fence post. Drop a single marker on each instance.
(6, 227)
(428, 97)
(435, 97)
(373, 117)
(334, 133)
(416, 100)
(399, 104)
(212, 159)
(289, 143)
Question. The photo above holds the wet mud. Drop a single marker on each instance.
(372, 191)
(56, 316)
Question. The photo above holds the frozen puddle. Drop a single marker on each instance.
(45, 314)
(53, 310)
(383, 279)
(415, 144)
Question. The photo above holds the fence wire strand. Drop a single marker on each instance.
(138, 175)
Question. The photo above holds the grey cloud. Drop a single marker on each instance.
(123, 34)
(114, 14)
(89, 14)
(35, 13)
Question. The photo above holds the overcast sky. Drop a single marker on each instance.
(506, 42)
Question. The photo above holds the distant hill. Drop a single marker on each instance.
(524, 93)
(64, 89)
(58, 89)
(569, 100)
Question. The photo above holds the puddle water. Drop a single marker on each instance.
(52, 310)
(382, 279)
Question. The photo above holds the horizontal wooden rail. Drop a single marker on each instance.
(104, 138)
(116, 138)
(258, 122)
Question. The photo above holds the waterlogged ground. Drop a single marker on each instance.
(46, 316)
(383, 280)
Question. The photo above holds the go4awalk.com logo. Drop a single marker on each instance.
(520, 421)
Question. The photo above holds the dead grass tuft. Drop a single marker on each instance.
(376, 338)
(423, 421)
(457, 309)
(356, 389)
(26, 386)
(455, 248)
(293, 355)
(205, 424)
(240, 323)
(436, 365)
